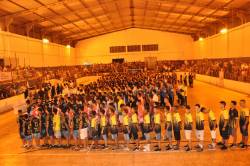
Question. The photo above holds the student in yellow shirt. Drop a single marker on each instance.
(188, 126)
(57, 125)
(94, 130)
(114, 128)
(104, 129)
(134, 128)
(177, 127)
(157, 127)
(212, 127)
(168, 127)
(146, 127)
(224, 124)
(244, 122)
(199, 127)
(126, 129)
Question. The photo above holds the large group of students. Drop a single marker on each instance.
(131, 112)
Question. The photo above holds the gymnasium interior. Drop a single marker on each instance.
(74, 47)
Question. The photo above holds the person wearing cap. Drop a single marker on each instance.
(188, 126)
(157, 126)
(176, 127)
(224, 125)
(199, 127)
(168, 127)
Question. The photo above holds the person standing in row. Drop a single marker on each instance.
(188, 126)
(224, 125)
(244, 122)
(233, 122)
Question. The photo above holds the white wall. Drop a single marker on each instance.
(235, 43)
(171, 46)
(23, 50)
(238, 86)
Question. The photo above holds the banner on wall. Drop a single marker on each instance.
(5, 76)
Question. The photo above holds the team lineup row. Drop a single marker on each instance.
(82, 126)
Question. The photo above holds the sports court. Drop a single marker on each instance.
(124, 82)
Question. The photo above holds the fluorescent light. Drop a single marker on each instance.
(68, 46)
(200, 38)
(45, 40)
(223, 31)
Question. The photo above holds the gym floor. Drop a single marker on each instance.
(11, 152)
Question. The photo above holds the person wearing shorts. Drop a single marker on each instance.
(157, 127)
(27, 131)
(244, 122)
(233, 122)
(177, 127)
(35, 125)
(188, 126)
(168, 127)
(114, 129)
(94, 130)
(20, 121)
(104, 128)
(146, 127)
(76, 126)
(57, 126)
(134, 128)
(125, 126)
(84, 129)
(199, 127)
(44, 128)
(65, 129)
(50, 129)
(224, 125)
(212, 127)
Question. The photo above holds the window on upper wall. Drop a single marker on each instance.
(134, 48)
(117, 49)
(150, 47)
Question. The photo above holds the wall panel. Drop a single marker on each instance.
(22, 50)
(171, 46)
(235, 43)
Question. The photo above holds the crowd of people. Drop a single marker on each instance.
(127, 111)
(233, 68)
(237, 69)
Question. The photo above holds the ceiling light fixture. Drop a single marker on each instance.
(45, 40)
(223, 30)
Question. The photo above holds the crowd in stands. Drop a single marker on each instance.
(232, 68)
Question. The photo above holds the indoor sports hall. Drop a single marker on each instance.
(124, 82)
